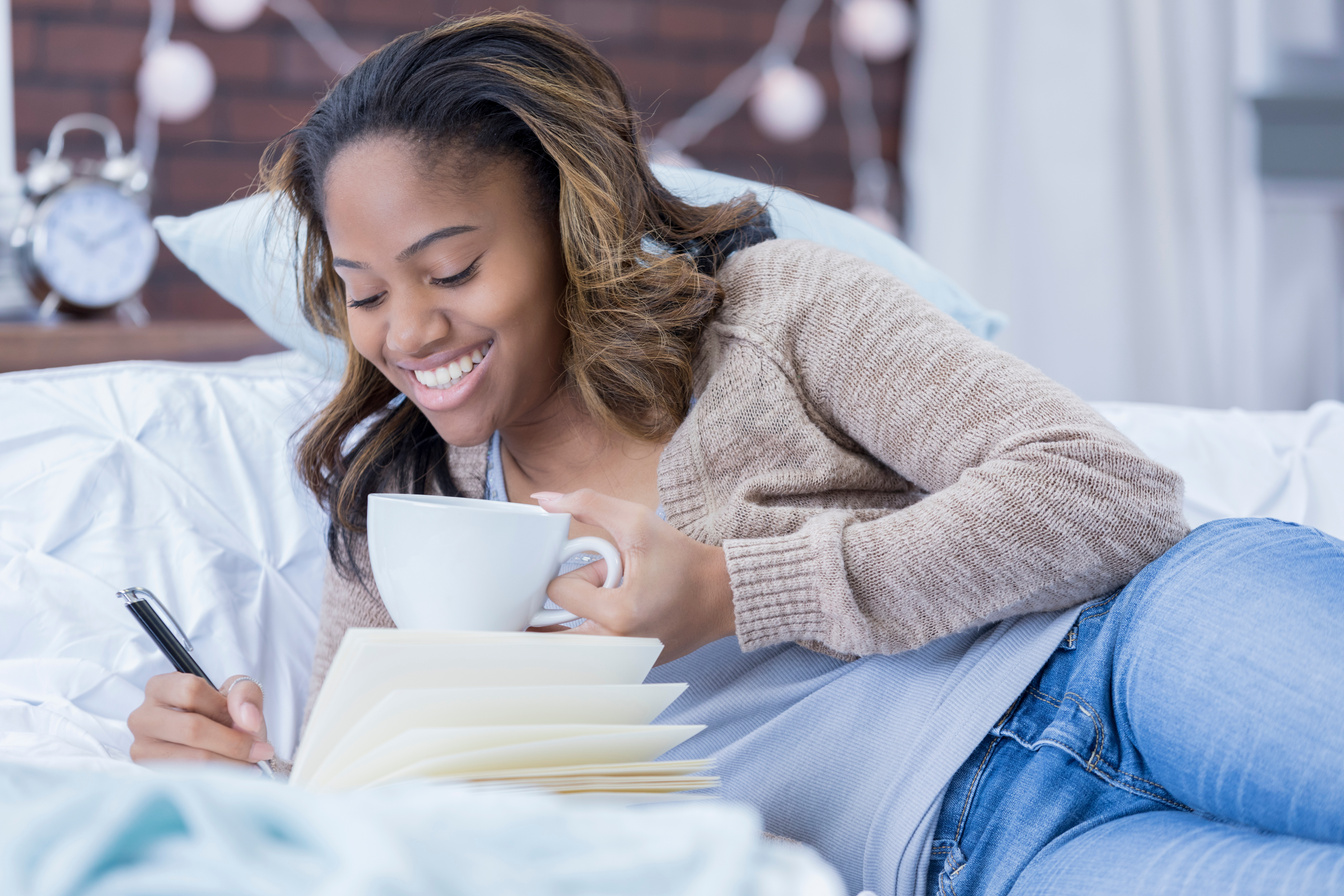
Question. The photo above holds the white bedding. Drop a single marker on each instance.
(178, 477)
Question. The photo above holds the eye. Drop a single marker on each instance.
(365, 303)
(461, 277)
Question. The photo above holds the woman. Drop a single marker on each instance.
(790, 448)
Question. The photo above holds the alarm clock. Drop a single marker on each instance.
(83, 240)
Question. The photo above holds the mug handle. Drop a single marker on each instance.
(586, 544)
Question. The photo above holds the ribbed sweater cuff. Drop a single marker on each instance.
(775, 593)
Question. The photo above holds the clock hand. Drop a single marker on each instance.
(79, 235)
(108, 234)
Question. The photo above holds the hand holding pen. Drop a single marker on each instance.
(184, 715)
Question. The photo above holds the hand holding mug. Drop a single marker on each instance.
(676, 589)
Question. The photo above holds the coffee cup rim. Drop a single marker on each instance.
(445, 501)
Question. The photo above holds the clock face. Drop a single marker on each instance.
(93, 245)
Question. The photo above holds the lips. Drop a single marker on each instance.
(447, 385)
(452, 373)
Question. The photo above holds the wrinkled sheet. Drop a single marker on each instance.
(1288, 465)
(211, 831)
(175, 477)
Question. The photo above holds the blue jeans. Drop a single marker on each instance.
(1186, 737)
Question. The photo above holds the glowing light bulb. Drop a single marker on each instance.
(788, 104)
(227, 15)
(176, 81)
(877, 30)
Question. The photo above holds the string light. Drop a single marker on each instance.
(877, 30)
(176, 81)
(788, 104)
(227, 15)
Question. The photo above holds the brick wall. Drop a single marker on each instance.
(82, 55)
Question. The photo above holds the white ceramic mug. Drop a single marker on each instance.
(470, 565)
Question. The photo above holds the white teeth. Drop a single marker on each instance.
(454, 371)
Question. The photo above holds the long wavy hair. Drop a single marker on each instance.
(640, 262)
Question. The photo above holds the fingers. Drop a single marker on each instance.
(625, 520)
(189, 693)
(184, 717)
(163, 732)
(588, 600)
(143, 751)
(594, 573)
(244, 702)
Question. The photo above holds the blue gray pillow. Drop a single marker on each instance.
(244, 251)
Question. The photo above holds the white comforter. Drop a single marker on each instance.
(174, 477)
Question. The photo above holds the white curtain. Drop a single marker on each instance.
(1088, 167)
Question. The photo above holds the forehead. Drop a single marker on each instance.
(392, 186)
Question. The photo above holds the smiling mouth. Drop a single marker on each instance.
(453, 372)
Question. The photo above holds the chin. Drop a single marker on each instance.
(459, 433)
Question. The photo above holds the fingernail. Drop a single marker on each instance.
(260, 752)
(547, 496)
(250, 716)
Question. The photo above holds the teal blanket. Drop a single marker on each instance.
(199, 831)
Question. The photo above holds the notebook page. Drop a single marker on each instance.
(370, 663)
(620, 704)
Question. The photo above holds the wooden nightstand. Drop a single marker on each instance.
(28, 346)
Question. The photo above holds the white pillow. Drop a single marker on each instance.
(244, 251)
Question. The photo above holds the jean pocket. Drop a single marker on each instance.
(952, 863)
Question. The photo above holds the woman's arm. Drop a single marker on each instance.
(1035, 501)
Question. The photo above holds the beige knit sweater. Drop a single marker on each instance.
(877, 475)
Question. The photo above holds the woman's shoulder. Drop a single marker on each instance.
(796, 256)
(783, 282)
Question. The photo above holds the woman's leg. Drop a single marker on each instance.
(1183, 719)
(1229, 675)
(1169, 852)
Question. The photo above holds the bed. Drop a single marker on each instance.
(179, 478)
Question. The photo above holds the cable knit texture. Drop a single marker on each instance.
(877, 476)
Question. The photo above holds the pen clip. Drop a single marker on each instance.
(130, 596)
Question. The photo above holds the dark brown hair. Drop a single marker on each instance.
(640, 262)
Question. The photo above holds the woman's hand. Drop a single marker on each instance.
(675, 589)
(184, 717)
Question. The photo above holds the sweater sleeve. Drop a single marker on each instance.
(1034, 502)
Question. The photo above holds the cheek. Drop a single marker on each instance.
(364, 337)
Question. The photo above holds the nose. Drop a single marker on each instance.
(414, 323)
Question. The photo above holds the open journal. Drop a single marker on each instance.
(565, 713)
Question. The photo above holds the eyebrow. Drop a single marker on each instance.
(440, 234)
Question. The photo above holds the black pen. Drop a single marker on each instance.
(141, 603)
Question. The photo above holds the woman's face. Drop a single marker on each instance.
(452, 286)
